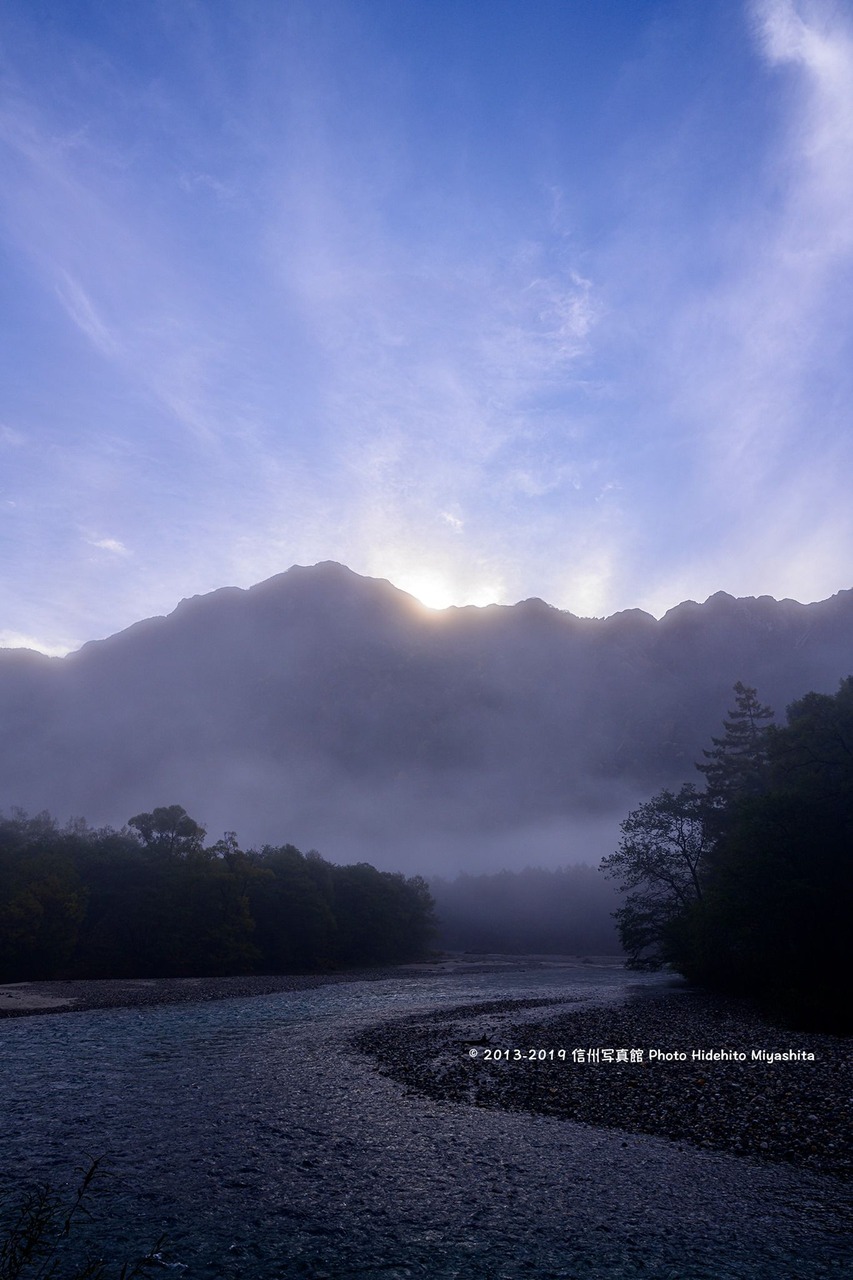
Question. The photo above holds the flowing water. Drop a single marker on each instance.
(249, 1134)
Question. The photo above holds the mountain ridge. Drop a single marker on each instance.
(324, 566)
(336, 711)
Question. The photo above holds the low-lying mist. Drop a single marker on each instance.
(566, 911)
(331, 711)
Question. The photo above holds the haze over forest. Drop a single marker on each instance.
(336, 712)
(523, 333)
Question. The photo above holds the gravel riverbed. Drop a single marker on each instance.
(797, 1111)
(322, 1138)
(25, 999)
(794, 1111)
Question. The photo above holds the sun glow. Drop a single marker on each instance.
(434, 591)
(16, 640)
(430, 588)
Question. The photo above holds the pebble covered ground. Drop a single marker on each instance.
(26, 999)
(264, 1145)
(796, 1111)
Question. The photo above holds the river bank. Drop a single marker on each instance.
(260, 1142)
(22, 999)
(793, 1109)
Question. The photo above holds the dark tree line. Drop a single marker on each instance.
(747, 885)
(154, 900)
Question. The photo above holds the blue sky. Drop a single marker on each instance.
(494, 300)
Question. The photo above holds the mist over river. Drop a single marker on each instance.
(261, 1144)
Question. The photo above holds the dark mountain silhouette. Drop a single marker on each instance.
(333, 710)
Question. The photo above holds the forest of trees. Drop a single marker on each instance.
(743, 885)
(746, 886)
(153, 900)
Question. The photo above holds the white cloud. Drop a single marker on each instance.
(112, 545)
(73, 213)
(192, 182)
(10, 437)
(437, 367)
(754, 364)
(82, 311)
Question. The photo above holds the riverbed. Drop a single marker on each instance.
(263, 1144)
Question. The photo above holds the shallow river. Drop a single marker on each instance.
(261, 1146)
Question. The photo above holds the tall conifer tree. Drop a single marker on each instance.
(736, 767)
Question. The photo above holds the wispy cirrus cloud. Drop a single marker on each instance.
(294, 306)
(338, 405)
(75, 212)
(448, 364)
(760, 377)
(82, 312)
